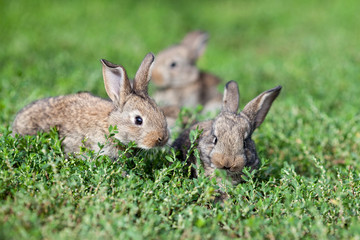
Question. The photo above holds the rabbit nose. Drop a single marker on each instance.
(234, 168)
(220, 161)
(232, 164)
(227, 168)
(154, 139)
(162, 139)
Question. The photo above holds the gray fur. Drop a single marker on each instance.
(225, 142)
(84, 116)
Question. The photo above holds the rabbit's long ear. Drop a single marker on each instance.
(231, 97)
(116, 82)
(196, 42)
(258, 108)
(143, 75)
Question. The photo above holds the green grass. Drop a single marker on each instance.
(308, 186)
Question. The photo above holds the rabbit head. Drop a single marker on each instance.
(228, 145)
(175, 66)
(137, 116)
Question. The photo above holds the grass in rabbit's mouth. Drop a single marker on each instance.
(308, 186)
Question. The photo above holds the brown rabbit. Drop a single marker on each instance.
(225, 142)
(84, 116)
(179, 82)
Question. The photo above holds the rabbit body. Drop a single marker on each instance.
(225, 142)
(83, 119)
(203, 91)
(46, 113)
(179, 82)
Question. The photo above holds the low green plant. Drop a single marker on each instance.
(308, 184)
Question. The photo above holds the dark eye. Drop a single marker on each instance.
(173, 64)
(214, 140)
(138, 120)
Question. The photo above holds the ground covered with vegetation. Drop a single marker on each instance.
(308, 186)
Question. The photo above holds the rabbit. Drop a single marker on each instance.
(225, 142)
(84, 116)
(177, 79)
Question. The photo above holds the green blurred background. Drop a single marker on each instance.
(50, 48)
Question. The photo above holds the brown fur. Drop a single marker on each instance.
(86, 117)
(225, 142)
(201, 92)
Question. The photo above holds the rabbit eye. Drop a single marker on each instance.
(173, 64)
(138, 120)
(214, 140)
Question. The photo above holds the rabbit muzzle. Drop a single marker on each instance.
(156, 139)
(228, 163)
(157, 78)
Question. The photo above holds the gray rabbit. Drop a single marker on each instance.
(225, 142)
(82, 116)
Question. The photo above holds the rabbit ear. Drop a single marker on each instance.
(143, 75)
(231, 97)
(196, 42)
(257, 108)
(116, 82)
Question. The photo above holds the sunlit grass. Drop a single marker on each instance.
(308, 186)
